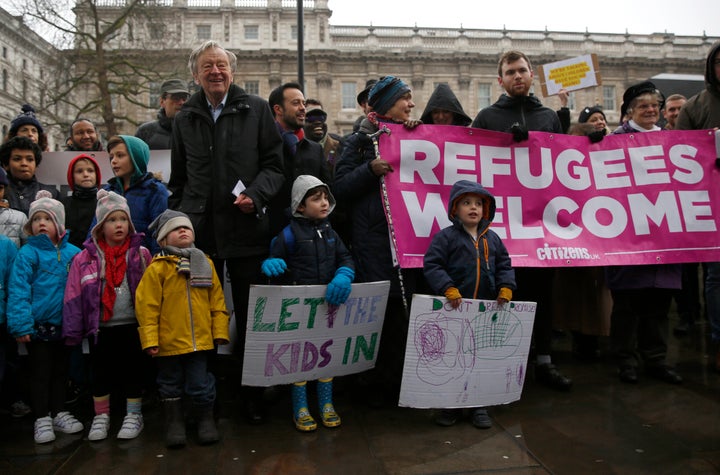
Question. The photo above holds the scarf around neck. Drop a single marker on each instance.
(192, 263)
(115, 268)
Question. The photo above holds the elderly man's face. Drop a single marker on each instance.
(214, 74)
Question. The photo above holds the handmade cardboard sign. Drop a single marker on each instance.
(571, 74)
(475, 355)
(293, 335)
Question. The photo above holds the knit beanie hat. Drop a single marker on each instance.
(139, 154)
(166, 222)
(107, 202)
(589, 111)
(3, 177)
(45, 202)
(386, 92)
(71, 170)
(27, 116)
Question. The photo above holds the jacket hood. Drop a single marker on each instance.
(509, 102)
(139, 154)
(301, 186)
(711, 80)
(71, 167)
(464, 187)
(443, 98)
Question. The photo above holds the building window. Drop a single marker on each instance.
(349, 95)
(203, 32)
(157, 31)
(293, 32)
(609, 98)
(252, 87)
(252, 32)
(154, 96)
(5, 80)
(24, 89)
(484, 98)
(5, 52)
(571, 101)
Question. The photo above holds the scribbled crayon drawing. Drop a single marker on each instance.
(497, 334)
(443, 344)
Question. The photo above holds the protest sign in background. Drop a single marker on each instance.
(475, 355)
(570, 74)
(643, 198)
(292, 334)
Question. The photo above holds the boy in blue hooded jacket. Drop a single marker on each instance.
(469, 259)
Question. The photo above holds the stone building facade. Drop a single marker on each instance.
(27, 64)
(339, 59)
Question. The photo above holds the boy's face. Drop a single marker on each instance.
(316, 206)
(29, 131)
(470, 209)
(121, 162)
(181, 237)
(115, 228)
(22, 164)
(84, 174)
(42, 223)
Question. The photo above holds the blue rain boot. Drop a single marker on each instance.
(301, 414)
(328, 416)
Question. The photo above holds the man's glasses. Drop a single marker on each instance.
(179, 96)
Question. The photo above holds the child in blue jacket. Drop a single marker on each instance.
(36, 289)
(309, 252)
(468, 259)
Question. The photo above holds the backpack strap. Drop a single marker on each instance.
(289, 237)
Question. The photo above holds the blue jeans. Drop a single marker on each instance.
(712, 298)
(186, 374)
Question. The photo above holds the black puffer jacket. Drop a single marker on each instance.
(157, 133)
(358, 189)
(527, 111)
(21, 193)
(208, 158)
(443, 98)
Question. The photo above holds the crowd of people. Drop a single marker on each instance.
(259, 189)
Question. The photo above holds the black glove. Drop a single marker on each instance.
(596, 136)
(519, 132)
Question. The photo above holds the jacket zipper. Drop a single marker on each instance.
(192, 320)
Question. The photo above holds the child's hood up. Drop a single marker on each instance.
(302, 185)
(466, 186)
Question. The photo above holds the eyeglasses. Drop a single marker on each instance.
(179, 96)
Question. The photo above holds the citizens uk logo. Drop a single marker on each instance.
(548, 253)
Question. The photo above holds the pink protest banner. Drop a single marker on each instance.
(561, 201)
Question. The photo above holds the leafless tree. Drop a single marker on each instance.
(107, 59)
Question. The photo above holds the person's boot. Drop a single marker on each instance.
(304, 422)
(207, 430)
(174, 422)
(328, 416)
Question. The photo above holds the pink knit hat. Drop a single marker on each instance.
(45, 202)
(107, 202)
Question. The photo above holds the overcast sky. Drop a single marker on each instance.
(682, 17)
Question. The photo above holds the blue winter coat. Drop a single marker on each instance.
(478, 269)
(314, 254)
(37, 284)
(357, 188)
(8, 251)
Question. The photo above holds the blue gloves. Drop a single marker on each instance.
(338, 290)
(273, 266)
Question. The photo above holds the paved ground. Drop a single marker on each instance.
(602, 426)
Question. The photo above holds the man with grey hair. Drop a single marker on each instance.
(226, 166)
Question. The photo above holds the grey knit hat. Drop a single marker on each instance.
(166, 222)
(45, 202)
(107, 202)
